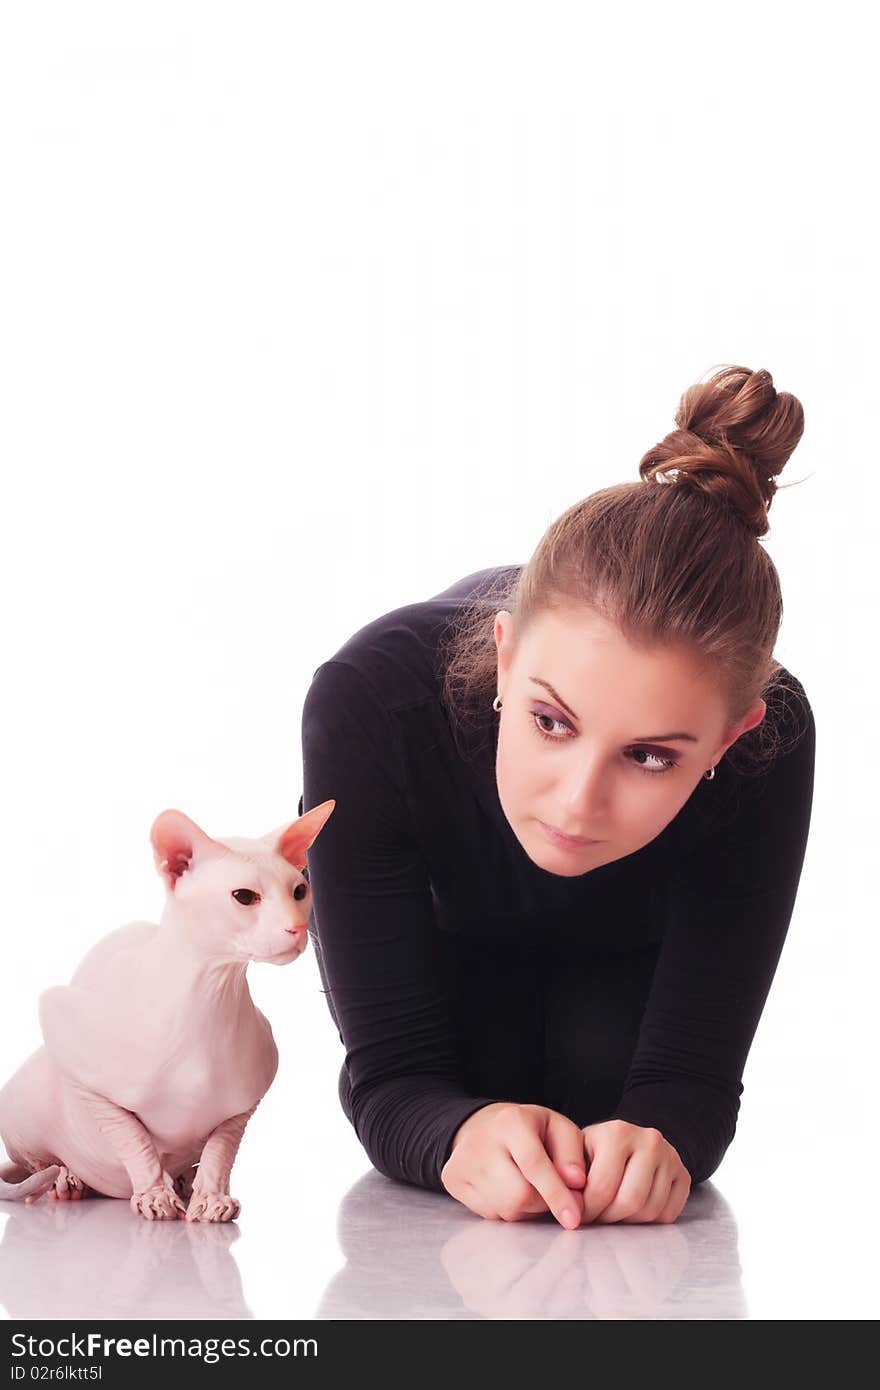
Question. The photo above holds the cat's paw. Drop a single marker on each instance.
(212, 1206)
(66, 1188)
(58, 1183)
(159, 1203)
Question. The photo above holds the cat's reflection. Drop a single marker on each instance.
(411, 1253)
(93, 1259)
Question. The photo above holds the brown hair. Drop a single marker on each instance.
(678, 564)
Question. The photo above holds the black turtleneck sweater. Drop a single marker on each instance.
(458, 972)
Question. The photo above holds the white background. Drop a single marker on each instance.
(309, 310)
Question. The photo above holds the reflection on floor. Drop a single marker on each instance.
(407, 1253)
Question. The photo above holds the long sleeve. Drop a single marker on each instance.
(375, 936)
(729, 907)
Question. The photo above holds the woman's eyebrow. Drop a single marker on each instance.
(648, 738)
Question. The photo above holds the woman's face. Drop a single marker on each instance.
(607, 767)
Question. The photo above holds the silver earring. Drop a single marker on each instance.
(496, 703)
(710, 774)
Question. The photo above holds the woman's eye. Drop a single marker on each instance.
(539, 714)
(247, 896)
(666, 764)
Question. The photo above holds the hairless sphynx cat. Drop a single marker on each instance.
(155, 1054)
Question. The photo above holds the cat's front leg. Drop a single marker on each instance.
(152, 1188)
(210, 1200)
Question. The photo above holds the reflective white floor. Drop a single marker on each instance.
(405, 1253)
(788, 1227)
(323, 1235)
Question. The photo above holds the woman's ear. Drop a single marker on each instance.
(750, 720)
(503, 642)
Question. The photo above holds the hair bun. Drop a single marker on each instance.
(735, 434)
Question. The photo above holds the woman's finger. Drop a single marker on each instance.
(537, 1167)
(564, 1143)
(653, 1203)
(633, 1188)
(678, 1195)
(604, 1175)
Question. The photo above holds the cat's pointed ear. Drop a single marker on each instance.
(291, 841)
(176, 842)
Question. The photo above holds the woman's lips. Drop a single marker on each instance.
(556, 837)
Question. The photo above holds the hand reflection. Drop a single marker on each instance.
(535, 1270)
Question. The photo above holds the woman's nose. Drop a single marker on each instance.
(584, 800)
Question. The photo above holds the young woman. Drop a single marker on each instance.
(534, 1022)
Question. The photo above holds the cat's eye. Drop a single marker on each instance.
(245, 895)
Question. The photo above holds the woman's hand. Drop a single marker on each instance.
(634, 1175)
(515, 1161)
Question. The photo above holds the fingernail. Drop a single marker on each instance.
(568, 1218)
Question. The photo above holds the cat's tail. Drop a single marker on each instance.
(30, 1187)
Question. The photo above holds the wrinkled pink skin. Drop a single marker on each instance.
(155, 1055)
